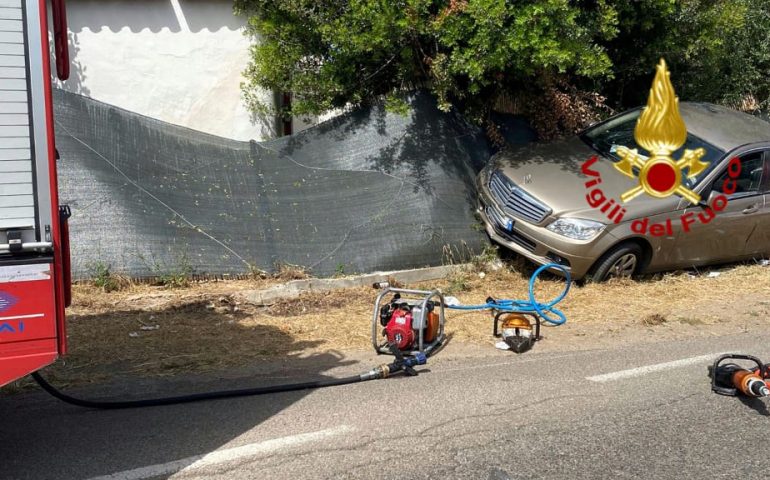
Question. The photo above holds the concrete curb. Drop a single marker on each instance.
(295, 288)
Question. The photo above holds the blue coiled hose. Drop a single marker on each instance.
(531, 306)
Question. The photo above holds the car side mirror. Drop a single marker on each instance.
(709, 198)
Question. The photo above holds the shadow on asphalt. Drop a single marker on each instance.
(755, 404)
(43, 438)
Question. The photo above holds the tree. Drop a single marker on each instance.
(718, 51)
(727, 59)
(332, 53)
(556, 59)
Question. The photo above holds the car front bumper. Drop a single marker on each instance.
(537, 243)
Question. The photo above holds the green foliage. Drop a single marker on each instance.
(472, 53)
(458, 282)
(101, 276)
(728, 59)
(175, 274)
(175, 278)
(396, 104)
(339, 270)
(488, 256)
(332, 53)
(718, 51)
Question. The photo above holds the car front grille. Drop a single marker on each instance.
(498, 223)
(495, 217)
(516, 201)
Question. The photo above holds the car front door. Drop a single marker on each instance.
(758, 245)
(729, 234)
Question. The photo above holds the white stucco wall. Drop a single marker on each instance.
(179, 61)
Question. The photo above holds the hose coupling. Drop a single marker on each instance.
(381, 371)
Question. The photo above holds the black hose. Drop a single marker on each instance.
(195, 397)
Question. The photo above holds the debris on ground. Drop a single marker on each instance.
(653, 320)
(203, 327)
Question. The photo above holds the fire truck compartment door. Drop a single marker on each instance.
(25, 200)
(27, 305)
(27, 319)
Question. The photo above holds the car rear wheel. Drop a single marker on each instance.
(621, 261)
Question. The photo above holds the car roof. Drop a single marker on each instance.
(722, 127)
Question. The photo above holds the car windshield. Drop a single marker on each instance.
(619, 131)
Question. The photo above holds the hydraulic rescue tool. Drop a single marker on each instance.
(733, 379)
(519, 330)
(518, 321)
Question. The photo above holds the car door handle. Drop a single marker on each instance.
(751, 209)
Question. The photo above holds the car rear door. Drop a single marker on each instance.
(733, 233)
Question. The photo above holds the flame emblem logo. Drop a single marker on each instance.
(661, 130)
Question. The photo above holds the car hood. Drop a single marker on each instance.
(551, 172)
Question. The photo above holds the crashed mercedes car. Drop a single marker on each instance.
(560, 202)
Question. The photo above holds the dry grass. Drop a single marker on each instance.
(287, 271)
(155, 331)
(653, 320)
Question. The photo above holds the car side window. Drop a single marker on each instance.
(749, 180)
(766, 174)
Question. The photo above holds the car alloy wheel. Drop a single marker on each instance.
(625, 266)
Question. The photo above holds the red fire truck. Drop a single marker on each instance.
(34, 248)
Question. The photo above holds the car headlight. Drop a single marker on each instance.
(576, 228)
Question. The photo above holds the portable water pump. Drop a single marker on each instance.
(413, 321)
(732, 379)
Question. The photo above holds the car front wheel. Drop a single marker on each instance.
(621, 261)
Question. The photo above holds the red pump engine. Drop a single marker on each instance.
(399, 328)
(403, 322)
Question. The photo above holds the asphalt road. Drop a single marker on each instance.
(644, 411)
